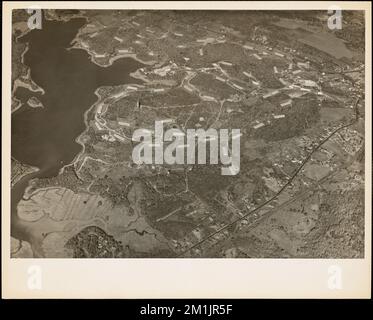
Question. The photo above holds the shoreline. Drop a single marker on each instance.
(29, 170)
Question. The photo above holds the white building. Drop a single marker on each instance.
(259, 125)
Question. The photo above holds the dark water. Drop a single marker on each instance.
(45, 137)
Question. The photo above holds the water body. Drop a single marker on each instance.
(45, 137)
(324, 41)
(329, 43)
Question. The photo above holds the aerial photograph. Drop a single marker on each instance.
(187, 134)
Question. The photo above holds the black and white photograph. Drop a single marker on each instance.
(188, 134)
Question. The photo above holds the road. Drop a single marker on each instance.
(282, 188)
